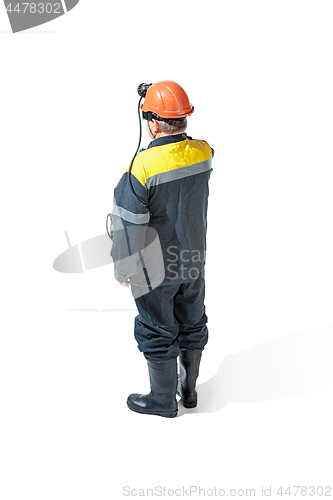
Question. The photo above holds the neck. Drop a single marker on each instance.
(161, 134)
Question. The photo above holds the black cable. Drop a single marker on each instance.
(138, 197)
(110, 233)
(136, 152)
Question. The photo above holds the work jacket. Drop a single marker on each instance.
(160, 212)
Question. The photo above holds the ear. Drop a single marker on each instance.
(155, 126)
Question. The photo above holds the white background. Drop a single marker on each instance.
(259, 74)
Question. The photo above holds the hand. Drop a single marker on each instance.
(127, 284)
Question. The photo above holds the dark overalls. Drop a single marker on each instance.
(171, 177)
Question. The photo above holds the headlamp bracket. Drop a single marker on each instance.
(142, 89)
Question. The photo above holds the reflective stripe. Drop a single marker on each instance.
(129, 216)
(179, 173)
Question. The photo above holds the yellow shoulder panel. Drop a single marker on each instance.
(168, 157)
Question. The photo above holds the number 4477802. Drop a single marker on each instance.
(33, 8)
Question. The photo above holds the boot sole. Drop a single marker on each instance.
(189, 404)
(160, 413)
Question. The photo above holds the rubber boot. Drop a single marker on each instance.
(163, 386)
(189, 362)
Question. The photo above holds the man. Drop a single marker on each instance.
(165, 190)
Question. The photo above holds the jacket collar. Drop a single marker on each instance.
(168, 139)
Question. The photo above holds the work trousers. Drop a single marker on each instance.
(172, 317)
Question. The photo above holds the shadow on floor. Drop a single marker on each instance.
(283, 368)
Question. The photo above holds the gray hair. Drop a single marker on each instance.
(173, 126)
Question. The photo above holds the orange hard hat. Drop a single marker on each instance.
(167, 99)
